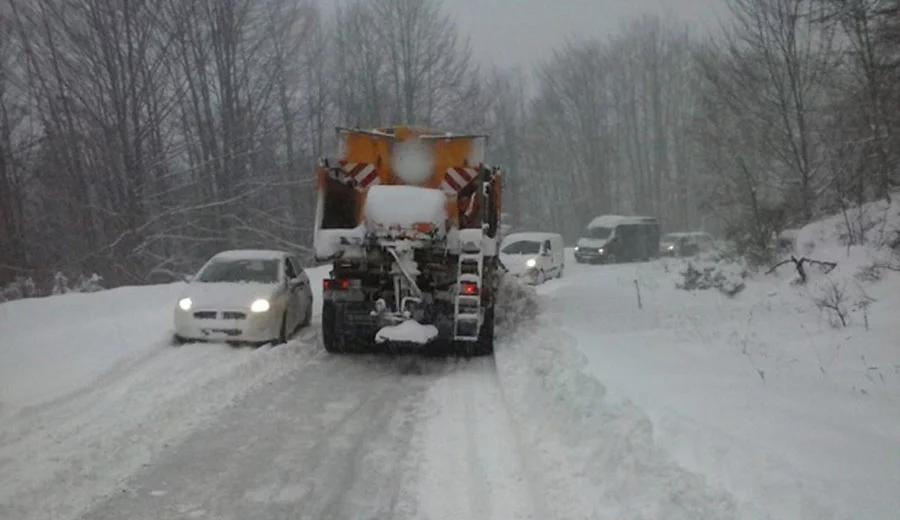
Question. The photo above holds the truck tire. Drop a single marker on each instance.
(330, 338)
(337, 343)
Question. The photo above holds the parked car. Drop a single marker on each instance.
(534, 256)
(614, 238)
(684, 244)
(245, 296)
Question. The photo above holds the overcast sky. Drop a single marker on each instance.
(521, 32)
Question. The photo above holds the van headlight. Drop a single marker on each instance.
(259, 305)
(531, 262)
(185, 304)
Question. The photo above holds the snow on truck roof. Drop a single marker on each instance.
(537, 236)
(609, 221)
(250, 254)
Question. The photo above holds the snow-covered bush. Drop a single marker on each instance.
(701, 275)
(22, 287)
(60, 284)
(89, 285)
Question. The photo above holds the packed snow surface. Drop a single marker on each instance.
(404, 206)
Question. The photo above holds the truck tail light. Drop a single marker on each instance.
(469, 288)
(335, 284)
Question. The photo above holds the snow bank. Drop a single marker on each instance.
(404, 206)
(56, 345)
(770, 395)
(570, 429)
(91, 391)
(410, 331)
(517, 303)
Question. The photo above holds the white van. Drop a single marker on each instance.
(534, 256)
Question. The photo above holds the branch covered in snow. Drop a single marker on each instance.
(798, 264)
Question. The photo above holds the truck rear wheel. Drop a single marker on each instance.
(333, 338)
(329, 336)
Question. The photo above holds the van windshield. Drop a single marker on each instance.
(524, 247)
(597, 232)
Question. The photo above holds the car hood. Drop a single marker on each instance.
(516, 263)
(226, 295)
(592, 242)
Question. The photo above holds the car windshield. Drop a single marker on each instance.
(597, 232)
(672, 237)
(524, 247)
(240, 270)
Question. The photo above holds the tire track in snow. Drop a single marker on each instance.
(347, 438)
(473, 467)
(62, 456)
(331, 442)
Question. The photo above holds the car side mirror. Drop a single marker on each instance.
(187, 278)
(545, 252)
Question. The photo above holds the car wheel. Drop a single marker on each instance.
(178, 341)
(559, 274)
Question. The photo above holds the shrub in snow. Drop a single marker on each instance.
(830, 297)
(11, 292)
(726, 277)
(28, 288)
(870, 273)
(22, 287)
(89, 285)
(60, 284)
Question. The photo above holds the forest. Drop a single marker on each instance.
(138, 137)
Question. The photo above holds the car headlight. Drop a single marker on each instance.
(531, 262)
(600, 250)
(259, 305)
(577, 249)
(671, 248)
(185, 304)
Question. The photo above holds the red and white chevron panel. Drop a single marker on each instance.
(364, 174)
(457, 179)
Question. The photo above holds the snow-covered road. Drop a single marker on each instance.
(210, 431)
(694, 406)
(344, 438)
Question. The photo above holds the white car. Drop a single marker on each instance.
(245, 296)
(533, 256)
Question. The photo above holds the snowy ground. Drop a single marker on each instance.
(695, 406)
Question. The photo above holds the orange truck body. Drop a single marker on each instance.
(454, 161)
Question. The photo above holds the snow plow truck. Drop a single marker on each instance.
(409, 220)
